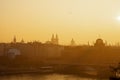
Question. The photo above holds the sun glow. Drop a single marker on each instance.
(118, 18)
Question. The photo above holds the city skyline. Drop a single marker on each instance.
(78, 19)
(55, 41)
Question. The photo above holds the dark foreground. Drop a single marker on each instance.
(57, 73)
(45, 77)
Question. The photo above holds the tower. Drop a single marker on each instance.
(57, 40)
(54, 39)
(22, 41)
(88, 43)
(14, 39)
(72, 42)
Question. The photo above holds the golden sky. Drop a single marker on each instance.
(82, 20)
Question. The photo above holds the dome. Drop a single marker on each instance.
(99, 42)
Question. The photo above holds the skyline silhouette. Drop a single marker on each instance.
(79, 38)
(56, 41)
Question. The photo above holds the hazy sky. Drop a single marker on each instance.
(82, 20)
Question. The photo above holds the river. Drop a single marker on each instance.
(44, 77)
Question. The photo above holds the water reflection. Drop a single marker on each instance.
(43, 77)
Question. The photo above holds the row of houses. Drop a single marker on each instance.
(99, 53)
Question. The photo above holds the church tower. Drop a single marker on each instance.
(22, 41)
(72, 42)
(57, 40)
(52, 39)
(14, 39)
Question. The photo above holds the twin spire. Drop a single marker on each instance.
(55, 39)
(15, 40)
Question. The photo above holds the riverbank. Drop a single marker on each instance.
(81, 71)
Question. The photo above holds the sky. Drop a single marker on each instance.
(83, 20)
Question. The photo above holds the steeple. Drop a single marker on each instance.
(22, 41)
(14, 39)
(72, 42)
(52, 39)
(57, 39)
(88, 43)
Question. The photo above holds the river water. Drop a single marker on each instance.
(44, 77)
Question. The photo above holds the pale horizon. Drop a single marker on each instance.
(82, 20)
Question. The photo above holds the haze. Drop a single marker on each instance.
(82, 20)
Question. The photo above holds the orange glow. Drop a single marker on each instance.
(82, 20)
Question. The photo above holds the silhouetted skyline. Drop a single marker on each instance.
(55, 40)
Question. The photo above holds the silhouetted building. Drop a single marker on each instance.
(14, 39)
(13, 52)
(72, 42)
(48, 42)
(99, 43)
(55, 40)
(22, 41)
(88, 43)
(53, 51)
(49, 53)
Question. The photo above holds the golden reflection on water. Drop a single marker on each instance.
(42, 77)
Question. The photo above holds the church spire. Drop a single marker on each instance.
(72, 42)
(52, 39)
(57, 39)
(14, 39)
(22, 41)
